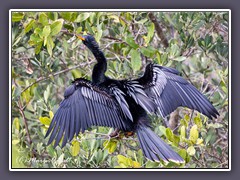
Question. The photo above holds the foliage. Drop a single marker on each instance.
(46, 57)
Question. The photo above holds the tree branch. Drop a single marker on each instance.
(158, 30)
(50, 75)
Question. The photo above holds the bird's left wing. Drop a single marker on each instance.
(169, 90)
(87, 105)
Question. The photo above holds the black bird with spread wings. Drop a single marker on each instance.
(125, 104)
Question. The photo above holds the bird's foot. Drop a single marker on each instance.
(129, 134)
(115, 133)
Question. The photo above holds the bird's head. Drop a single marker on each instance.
(89, 41)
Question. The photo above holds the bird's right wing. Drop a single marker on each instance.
(169, 90)
(87, 105)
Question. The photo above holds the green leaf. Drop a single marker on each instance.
(194, 134)
(15, 141)
(35, 39)
(16, 123)
(89, 28)
(111, 146)
(199, 141)
(183, 132)
(122, 160)
(46, 31)
(208, 41)
(214, 125)
(38, 47)
(51, 114)
(136, 62)
(187, 118)
(51, 151)
(130, 41)
(56, 26)
(162, 129)
(99, 33)
(69, 27)
(183, 153)
(79, 29)
(52, 15)
(66, 15)
(50, 45)
(46, 94)
(43, 19)
(60, 159)
(197, 120)
(75, 148)
(82, 17)
(175, 50)
(149, 51)
(191, 151)
(151, 164)
(45, 120)
(180, 58)
(169, 134)
(29, 26)
(17, 16)
(150, 34)
(76, 73)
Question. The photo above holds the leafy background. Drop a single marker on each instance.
(46, 57)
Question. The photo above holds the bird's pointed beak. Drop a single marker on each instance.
(80, 37)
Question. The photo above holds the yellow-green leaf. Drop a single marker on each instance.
(38, 47)
(136, 164)
(169, 134)
(150, 33)
(17, 16)
(75, 148)
(183, 132)
(51, 114)
(197, 120)
(199, 141)
(194, 134)
(135, 60)
(15, 141)
(183, 153)
(111, 145)
(66, 15)
(122, 159)
(56, 26)
(115, 18)
(76, 73)
(82, 17)
(50, 45)
(29, 26)
(186, 117)
(191, 151)
(162, 129)
(46, 31)
(43, 19)
(45, 120)
(16, 123)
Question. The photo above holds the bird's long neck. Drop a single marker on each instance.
(98, 75)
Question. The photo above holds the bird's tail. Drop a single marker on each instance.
(153, 147)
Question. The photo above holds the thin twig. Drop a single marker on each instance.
(51, 75)
(21, 109)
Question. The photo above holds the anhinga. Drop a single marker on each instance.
(125, 104)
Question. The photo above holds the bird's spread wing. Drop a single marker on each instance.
(136, 92)
(169, 91)
(87, 105)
